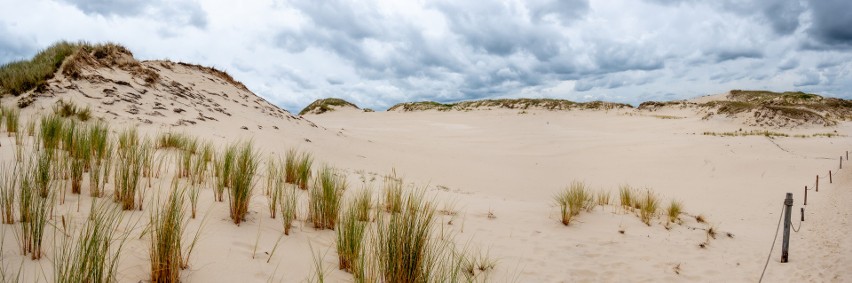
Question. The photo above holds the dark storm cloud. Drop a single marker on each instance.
(781, 15)
(832, 22)
(734, 54)
(178, 12)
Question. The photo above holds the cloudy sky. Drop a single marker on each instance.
(377, 53)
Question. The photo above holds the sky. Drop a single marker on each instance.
(376, 53)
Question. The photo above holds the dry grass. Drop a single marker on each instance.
(572, 201)
(673, 210)
(648, 206)
(20, 76)
(287, 208)
(166, 230)
(94, 254)
(129, 154)
(393, 193)
(350, 236)
(324, 203)
(242, 181)
(625, 195)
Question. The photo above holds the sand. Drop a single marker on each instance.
(497, 170)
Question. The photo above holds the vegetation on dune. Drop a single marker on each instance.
(320, 106)
(519, 103)
(571, 201)
(784, 108)
(242, 180)
(21, 76)
(69, 58)
(350, 236)
(166, 230)
(93, 255)
(325, 198)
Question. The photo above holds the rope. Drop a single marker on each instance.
(781, 216)
(796, 229)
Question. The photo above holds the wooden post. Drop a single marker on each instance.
(803, 214)
(785, 244)
(806, 195)
(829, 177)
(847, 155)
(817, 183)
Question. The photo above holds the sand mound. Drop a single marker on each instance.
(765, 108)
(116, 86)
(320, 106)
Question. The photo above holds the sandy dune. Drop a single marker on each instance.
(494, 172)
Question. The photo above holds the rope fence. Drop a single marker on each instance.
(813, 186)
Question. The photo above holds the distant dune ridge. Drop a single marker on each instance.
(320, 106)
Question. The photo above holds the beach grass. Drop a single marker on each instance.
(572, 200)
(166, 230)
(648, 206)
(287, 207)
(242, 181)
(350, 236)
(325, 195)
(393, 193)
(130, 155)
(674, 210)
(93, 255)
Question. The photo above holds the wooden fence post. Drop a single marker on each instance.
(829, 177)
(817, 183)
(803, 214)
(806, 195)
(785, 244)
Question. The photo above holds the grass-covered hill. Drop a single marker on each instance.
(770, 109)
(519, 103)
(320, 106)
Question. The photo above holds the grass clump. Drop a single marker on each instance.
(100, 160)
(572, 201)
(11, 117)
(648, 205)
(287, 208)
(222, 167)
(80, 153)
(362, 204)
(242, 181)
(625, 196)
(35, 211)
(93, 255)
(69, 109)
(303, 170)
(393, 193)
(673, 210)
(325, 197)
(8, 190)
(129, 155)
(274, 186)
(166, 230)
(602, 198)
(405, 249)
(350, 236)
(297, 168)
